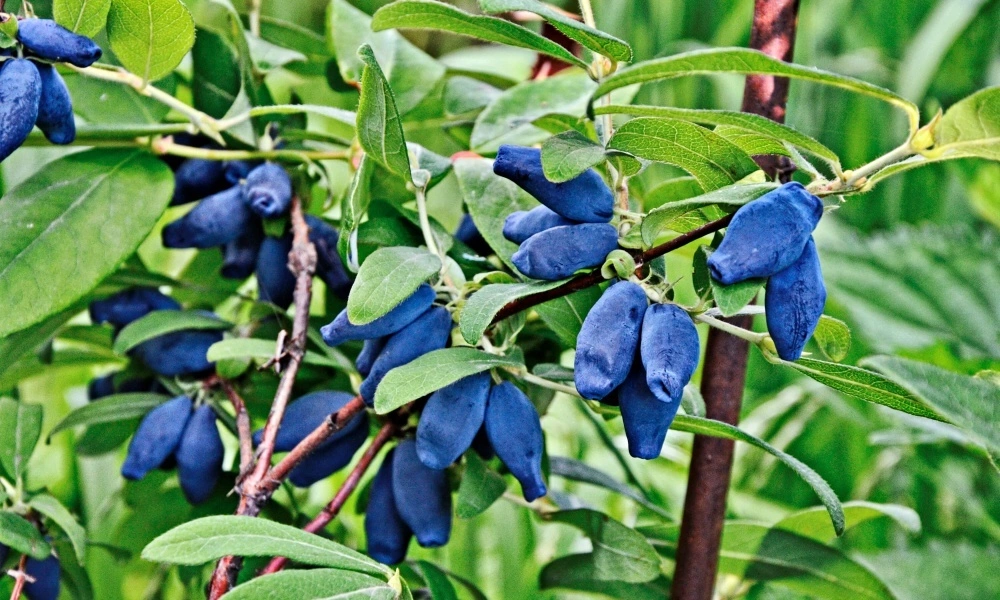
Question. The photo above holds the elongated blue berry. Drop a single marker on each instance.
(198, 178)
(47, 39)
(515, 432)
(307, 413)
(239, 257)
(423, 496)
(608, 339)
(468, 234)
(481, 443)
(369, 352)
(431, 331)
(585, 198)
(794, 303)
(157, 437)
(329, 267)
(341, 329)
(46, 578)
(20, 92)
(55, 107)
(100, 387)
(217, 220)
(521, 225)
(238, 170)
(129, 305)
(332, 456)
(766, 235)
(450, 420)
(179, 352)
(4, 551)
(645, 417)
(268, 191)
(559, 252)
(387, 534)
(199, 455)
(670, 350)
(275, 281)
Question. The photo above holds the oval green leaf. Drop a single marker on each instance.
(86, 17)
(314, 584)
(20, 426)
(150, 37)
(118, 407)
(386, 278)
(21, 536)
(161, 322)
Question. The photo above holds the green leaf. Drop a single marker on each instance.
(565, 315)
(731, 299)
(741, 120)
(745, 61)
(86, 17)
(118, 407)
(588, 37)
(217, 80)
(970, 127)
(464, 95)
(509, 117)
(387, 277)
(943, 569)
(863, 385)
(712, 160)
(380, 131)
(437, 581)
(827, 496)
(486, 302)
(261, 349)
(438, 16)
(56, 223)
(620, 553)
(671, 190)
(569, 154)
(751, 142)
(756, 552)
(481, 486)
(53, 509)
(433, 371)
(971, 403)
(150, 37)
(20, 426)
(358, 195)
(110, 108)
(20, 536)
(162, 322)
(578, 572)
(833, 337)
(814, 524)
(578, 471)
(209, 538)
(314, 584)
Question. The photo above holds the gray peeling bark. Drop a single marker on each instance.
(724, 374)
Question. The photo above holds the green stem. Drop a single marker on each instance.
(545, 383)
(90, 135)
(425, 226)
(166, 146)
(750, 336)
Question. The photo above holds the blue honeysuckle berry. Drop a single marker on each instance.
(521, 225)
(47, 39)
(275, 281)
(157, 437)
(341, 329)
(559, 252)
(307, 413)
(481, 443)
(46, 578)
(387, 534)
(215, 221)
(515, 433)
(608, 339)
(469, 234)
(423, 496)
(268, 191)
(450, 420)
(129, 305)
(585, 198)
(4, 551)
(645, 417)
(106, 385)
(55, 107)
(179, 352)
(669, 349)
(431, 331)
(332, 456)
(199, 455)
(197, 178)
(20, 93)
(369, 352)
(239, 257)
(237, 170)
(766, 235)
(793, 303)
(329, 267)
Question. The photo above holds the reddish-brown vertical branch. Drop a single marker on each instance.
(724, 374)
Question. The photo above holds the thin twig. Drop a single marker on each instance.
(242, 425)
(168, 146)
(20, 578)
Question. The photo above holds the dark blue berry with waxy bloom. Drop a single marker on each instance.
(275, 281)
(766, 235)
(341, 329)
(238, 170)
(450, 420)
(369, 352)
(559, 252)
(468, 234)
(55, 107)
(515, 433)
(20, 93)
(608, 340)
(129, 305)
(521, 225)
(585, 198)
(329, 267)
(47, 39)
(197, 178)
(46, 578)
(794, 303)
(423, 496)
(431, 331)
(645, 417)
(268, 191)
(199, 455)
(179, 352)
(239, 257)
(387, 534)
(157, 437)
(670, 350)
(215, 221)
(307, 413)
(103, 386)
(331, 457)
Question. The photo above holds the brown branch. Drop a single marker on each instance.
(242, 425)
(724, 373)
(332, 509)
(20, 578)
